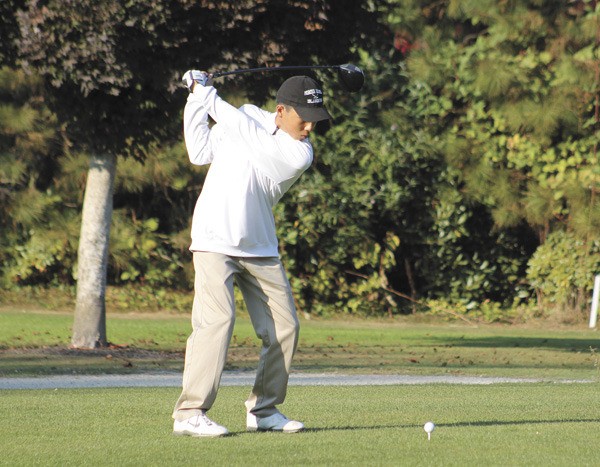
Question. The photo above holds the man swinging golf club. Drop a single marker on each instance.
(255, 157)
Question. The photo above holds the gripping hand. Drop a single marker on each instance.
(191, 77)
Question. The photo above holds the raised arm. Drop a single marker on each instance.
(196, 132)
(280, 157)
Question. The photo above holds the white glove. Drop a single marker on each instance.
(191, 77)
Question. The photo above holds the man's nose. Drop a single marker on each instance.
(310, 126)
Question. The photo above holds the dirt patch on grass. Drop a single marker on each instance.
(29, 361)
(124, 352)
(108, 352)
(64, 360)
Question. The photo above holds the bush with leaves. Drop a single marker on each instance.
(354, 226)
(521, 133)
(562, 271)
(37, 223)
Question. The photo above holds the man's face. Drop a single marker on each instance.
(289, 121)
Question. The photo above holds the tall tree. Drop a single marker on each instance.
(96, 62)
(522, 84)
(112, 69)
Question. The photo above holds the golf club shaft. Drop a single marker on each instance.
(279, 68)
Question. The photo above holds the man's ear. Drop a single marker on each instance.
(279, 109)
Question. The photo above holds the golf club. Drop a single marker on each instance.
(350, 76)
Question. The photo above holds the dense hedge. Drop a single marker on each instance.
(465, 171)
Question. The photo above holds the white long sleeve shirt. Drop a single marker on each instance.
(252, 166)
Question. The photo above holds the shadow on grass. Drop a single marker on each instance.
(521, 422)
(553, 343)
(457, 368)
(456, 425)
(482, 423)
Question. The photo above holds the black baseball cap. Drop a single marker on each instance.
(304, 94)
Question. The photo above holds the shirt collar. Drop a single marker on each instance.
(271, 126)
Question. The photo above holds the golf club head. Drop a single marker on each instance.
(351, 77)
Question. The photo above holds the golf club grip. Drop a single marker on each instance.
(218, 74)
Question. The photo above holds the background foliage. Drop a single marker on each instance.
(465, 173)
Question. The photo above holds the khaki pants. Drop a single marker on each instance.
(269, 301)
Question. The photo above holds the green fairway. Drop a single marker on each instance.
(36, 343)
(510, 424)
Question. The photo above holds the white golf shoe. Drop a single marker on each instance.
(275, 422)
(200, 426)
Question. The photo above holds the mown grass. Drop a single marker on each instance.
(36, 342)
(508, 424)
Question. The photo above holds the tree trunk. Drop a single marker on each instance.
(411, 283)
(89, 327)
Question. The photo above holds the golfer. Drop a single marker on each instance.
(255, 157)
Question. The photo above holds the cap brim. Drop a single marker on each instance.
(312, 114)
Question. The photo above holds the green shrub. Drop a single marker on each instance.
(562, 272)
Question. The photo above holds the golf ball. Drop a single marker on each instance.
(429, 427)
